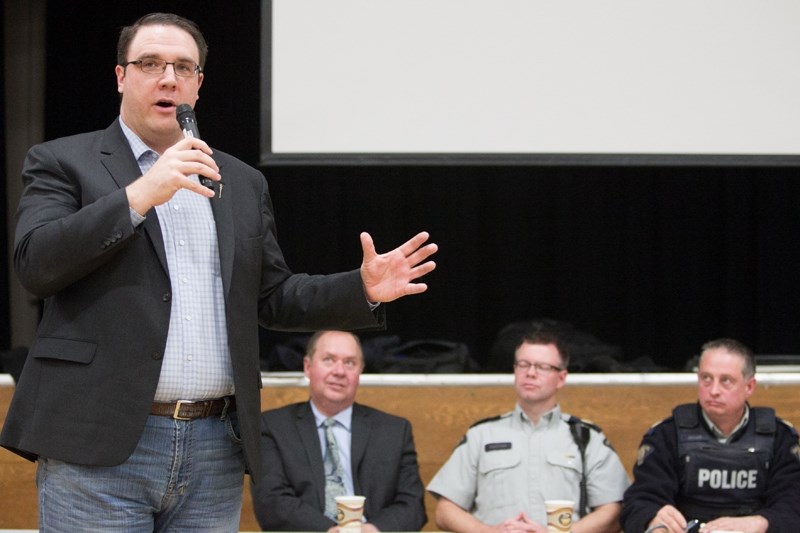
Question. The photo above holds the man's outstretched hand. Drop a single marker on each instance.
(389, 276)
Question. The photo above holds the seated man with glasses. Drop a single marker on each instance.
(503, 470)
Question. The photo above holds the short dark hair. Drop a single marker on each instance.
(737, 348)
(128, 33)
(541, 332)
(311, 347)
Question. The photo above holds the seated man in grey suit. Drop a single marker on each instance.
(365, 451)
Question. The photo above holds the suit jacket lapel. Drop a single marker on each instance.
(358, 444)
(307, 428)
(118, 159)
(222, 207)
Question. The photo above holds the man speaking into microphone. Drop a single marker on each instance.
(140, 396)
(720, 462)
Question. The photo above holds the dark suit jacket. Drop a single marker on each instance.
(291, 494)
(92, 371)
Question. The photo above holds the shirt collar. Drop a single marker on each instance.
(548, 419)
(344, 417)
(138, 147)
(718, 434)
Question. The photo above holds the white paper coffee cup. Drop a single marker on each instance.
(559, 515)
(349, 510)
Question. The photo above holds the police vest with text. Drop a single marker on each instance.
(723, 479)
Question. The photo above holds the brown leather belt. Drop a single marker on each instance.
(190, 410)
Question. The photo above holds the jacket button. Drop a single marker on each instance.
(166, 297)
(156, 355)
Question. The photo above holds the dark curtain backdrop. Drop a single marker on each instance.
(655, 260)
(5, 317)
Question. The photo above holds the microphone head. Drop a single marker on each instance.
(183, 112)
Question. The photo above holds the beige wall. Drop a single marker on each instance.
(440, 414)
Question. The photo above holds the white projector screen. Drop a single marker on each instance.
(582, 81)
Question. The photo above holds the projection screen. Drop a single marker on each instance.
(531, 81)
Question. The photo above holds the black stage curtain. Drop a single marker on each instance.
(655, 260)
(5, 217)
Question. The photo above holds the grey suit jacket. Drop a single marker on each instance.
(91, 374)
(291, 492)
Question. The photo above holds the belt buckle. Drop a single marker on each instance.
(178, 405)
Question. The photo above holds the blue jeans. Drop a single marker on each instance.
(182, 476)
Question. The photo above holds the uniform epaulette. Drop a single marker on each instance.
(479, 422)
(490, 419)
(787, 424)
(570, 419)
(658, 423)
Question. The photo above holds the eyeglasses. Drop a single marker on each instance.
(151, 65)
(544, 368)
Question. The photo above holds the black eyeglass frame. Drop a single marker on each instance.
(544, 368)
(197, 69)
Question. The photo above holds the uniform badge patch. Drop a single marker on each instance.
(641, 455)
(493, 446)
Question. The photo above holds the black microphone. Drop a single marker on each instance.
(188, 123)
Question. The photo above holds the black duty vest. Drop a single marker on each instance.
(722, 479)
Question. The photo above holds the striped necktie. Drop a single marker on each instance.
(334, 474)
